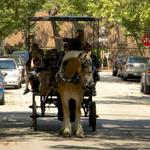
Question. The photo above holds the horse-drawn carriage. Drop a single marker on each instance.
(65, 82)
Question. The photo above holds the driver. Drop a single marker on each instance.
(76, 43)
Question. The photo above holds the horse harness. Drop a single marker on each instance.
(75, 78)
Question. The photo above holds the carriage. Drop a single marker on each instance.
(48, 95)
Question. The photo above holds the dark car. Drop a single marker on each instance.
(2, 88)
(117, 65)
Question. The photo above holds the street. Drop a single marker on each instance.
(123, 122)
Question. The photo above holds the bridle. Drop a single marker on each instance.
(76, 77)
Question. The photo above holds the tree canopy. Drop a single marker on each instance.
(132, 15)
(13, 14)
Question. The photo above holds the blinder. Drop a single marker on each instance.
(76, 77)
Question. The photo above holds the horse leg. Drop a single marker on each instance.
(78, 125)
(66, 125)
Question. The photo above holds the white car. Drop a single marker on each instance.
(133, 67)
(14, 72)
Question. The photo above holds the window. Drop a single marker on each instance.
(138, 60)
(7, 64)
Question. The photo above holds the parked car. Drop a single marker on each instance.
(23, 54)
(14, 72)
(145, 80)
(21, 63)
(117, 65)
(133, 67)
(2, 88)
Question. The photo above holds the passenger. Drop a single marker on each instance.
(33, 63)
(51, 61)
(95, 62)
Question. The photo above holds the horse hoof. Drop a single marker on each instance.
(80, 135)
(66, 134)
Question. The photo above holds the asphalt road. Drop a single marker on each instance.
(123, 123)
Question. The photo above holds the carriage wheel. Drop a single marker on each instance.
(42, 106)
(86, 106)
(92, 115)
(34, 114)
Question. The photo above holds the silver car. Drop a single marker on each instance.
(145, 81)
(13, 71)
(133, 67)
(20, 62)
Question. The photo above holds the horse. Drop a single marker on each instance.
(74, 75)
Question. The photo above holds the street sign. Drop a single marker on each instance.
(146, 40)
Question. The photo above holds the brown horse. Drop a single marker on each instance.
(74, 75)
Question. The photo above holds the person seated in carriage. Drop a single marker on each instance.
(95, 62)
(52, 62)
(33, 66)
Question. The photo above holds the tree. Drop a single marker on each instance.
(13, 14)
(132, 15)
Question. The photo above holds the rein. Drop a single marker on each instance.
(75, 78)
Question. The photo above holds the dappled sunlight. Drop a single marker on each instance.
(110, 134)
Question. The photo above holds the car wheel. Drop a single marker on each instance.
(124, 78)
(114, 73)
(146, 89)
(142, 87)
(118, 74)
(2, 101)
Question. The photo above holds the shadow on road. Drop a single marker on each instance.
(16, 127)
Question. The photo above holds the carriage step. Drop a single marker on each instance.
(31, 106)
(37, 116)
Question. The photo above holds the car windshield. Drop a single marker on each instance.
(138, 60)
(23, 54)
(7, 64)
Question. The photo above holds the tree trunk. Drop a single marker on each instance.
(53, 12)
(138, 44)
(56, 33)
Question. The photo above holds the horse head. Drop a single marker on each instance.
(77, 67)
(86, 68)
